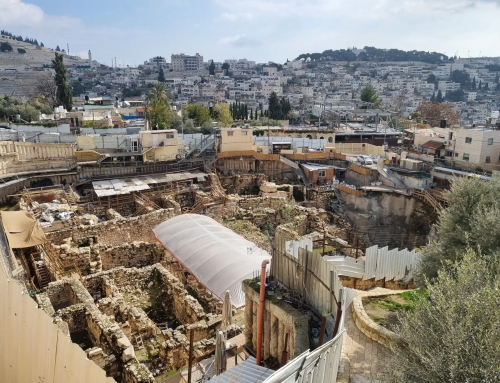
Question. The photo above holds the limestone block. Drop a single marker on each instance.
(128, 353)
(124, 342)
(268, 187)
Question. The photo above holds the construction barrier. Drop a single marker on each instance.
(357, 193)
(360, 169)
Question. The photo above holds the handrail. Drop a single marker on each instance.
(425, 195)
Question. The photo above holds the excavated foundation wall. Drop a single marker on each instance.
(243, 184)
(105, 342)
(279, 320)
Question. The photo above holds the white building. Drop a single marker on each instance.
(182, 62)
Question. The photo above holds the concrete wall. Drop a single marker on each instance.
(85, 142)
(356, 148)
(23, 157)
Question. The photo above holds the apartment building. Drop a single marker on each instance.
(463, 147)
(182, 62)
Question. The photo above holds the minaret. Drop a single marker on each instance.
(90, 58)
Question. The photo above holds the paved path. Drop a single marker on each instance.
(368, 359)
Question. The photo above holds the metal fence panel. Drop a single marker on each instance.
(33, 349)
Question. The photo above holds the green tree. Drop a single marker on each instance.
(431, 79)
(369, 94)
(157, 107)
(64, 90)
(223, 114)
(439, 97)
(455, 96)
(196, 112)
(274, 106)
(433, 97)
(211, 68)
(251, 113)
(245, 112)
(5, 47)
(474, 83)
(472, 219)
(462, 77)
(453, 335)
(486, 86)
(21, 50)
(161, 75)
(58, 49)
(261, 113)
(480, 85)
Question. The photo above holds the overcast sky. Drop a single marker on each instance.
(261, 30)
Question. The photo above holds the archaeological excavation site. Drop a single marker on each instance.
(242, 272)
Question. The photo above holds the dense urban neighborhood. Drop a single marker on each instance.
(331, 218)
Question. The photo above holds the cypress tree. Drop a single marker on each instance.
(261, 113)
(161, 75)
(439, 97)
(251, 113)
(64, 90)
(245, 109)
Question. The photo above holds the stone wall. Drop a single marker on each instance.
(279, 319)
(63, 293)
(243, 184)
(123, 291)
(135, 254)
(368, 284)
(371, 329)
(111, 349)
(117, 231)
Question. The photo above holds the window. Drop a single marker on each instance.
(448, 153)
(466, 157)
(488, 160)
(450, 136)
(230, 133)
(490, 141)
(322, 173)
(244, 133)
(456, 154)
(468, 140)
(135, 146)
(170, 135)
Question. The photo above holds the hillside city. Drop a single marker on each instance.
(330, 218)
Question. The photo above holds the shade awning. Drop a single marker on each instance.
(435, 145)
(216, 256)
(22, 229)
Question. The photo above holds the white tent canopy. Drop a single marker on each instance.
(216, 256)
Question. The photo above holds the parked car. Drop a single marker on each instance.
(365, 160)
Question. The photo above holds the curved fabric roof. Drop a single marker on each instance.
(215, 255)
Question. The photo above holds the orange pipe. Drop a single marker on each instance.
(260, 324)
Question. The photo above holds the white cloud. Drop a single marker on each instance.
(15, 12)
(231, 39)
(239, 41)
(236, 16)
